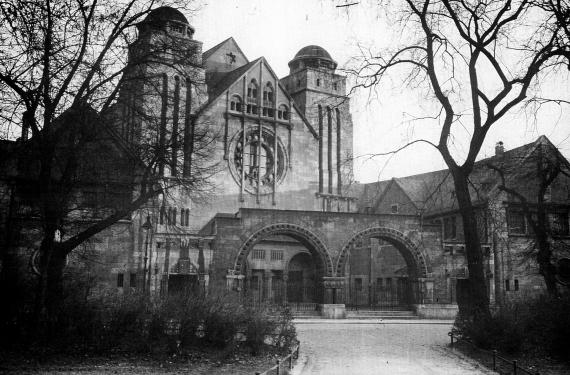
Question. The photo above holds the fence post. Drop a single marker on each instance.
(515, 367)
(494, 360)
(451, 338)
(279, 367)
(291, 360)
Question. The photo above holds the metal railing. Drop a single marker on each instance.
(283, 363)
(497, 359)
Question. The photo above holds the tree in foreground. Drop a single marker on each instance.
(478, 60)
(67, 69)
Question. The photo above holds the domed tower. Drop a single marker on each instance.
(163, 87)
(320, 93)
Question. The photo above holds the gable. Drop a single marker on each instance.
(224, 57)
(395, 195)
(259, 70)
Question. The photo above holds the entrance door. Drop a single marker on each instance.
(295, 286)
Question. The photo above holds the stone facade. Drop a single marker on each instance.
(285, 222)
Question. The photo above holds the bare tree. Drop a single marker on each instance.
(66, 68)
(478, 60)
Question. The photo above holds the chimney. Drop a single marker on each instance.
(499, 148)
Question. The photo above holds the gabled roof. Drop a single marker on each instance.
(434, 192)
(219, 83)
(211, 51)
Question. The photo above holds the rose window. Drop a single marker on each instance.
(257, 162)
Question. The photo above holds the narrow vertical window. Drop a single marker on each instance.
(133, 280)
(162, 214)
(320, 109)
(175, 135)
(120, 280)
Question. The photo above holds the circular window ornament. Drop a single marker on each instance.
(259, 161)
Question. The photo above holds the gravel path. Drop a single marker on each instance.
(378, 348)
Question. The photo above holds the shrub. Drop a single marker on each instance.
(541, 325)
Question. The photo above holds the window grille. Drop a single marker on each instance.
(258, 254)
(276, 254)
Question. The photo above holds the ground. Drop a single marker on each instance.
(199, 364)
(380, 348)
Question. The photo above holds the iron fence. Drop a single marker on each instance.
(496, 358)
(283, 363)
(378, 297)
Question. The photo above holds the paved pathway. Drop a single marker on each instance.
(379, 348)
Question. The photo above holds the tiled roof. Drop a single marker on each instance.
(219, 82)
(434, 191)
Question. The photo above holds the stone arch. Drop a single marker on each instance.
(307, 238)
(410, 251)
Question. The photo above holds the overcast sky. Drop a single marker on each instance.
(277, 29)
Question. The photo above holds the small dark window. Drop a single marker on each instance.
(558, 223)
(162, 214)
(335, 87)
(298, 82)
(133, 280)
(516, 284)
(120, 280)
(388, 283)
(358, 283)
(394, 208)
(449, 228)
(318, 82)
(379, 282)
(507, 285)
(516, 222)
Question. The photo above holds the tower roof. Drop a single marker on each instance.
(313, 55)
(313, 51)
(163, 14)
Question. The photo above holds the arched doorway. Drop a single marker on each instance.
(382, 269)
(270, 253)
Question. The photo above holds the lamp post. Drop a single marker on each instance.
(147, 226)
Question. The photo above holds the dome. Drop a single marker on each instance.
(162, 14)
(313, 51)
(312, 56)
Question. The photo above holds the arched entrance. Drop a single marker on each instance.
(273, 254)
(382, 269)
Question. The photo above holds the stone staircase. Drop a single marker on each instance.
(362, 314)
(400, 314)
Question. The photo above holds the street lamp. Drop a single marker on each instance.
(147, 226)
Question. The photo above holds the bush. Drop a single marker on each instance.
(135, 323)
(541, 326)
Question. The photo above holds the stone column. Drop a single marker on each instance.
(266, 295)
(331, 309)
(284, 288)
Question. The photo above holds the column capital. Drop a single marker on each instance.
(333, 282)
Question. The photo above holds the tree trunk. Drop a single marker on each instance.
(545, 266)
(479, 299)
